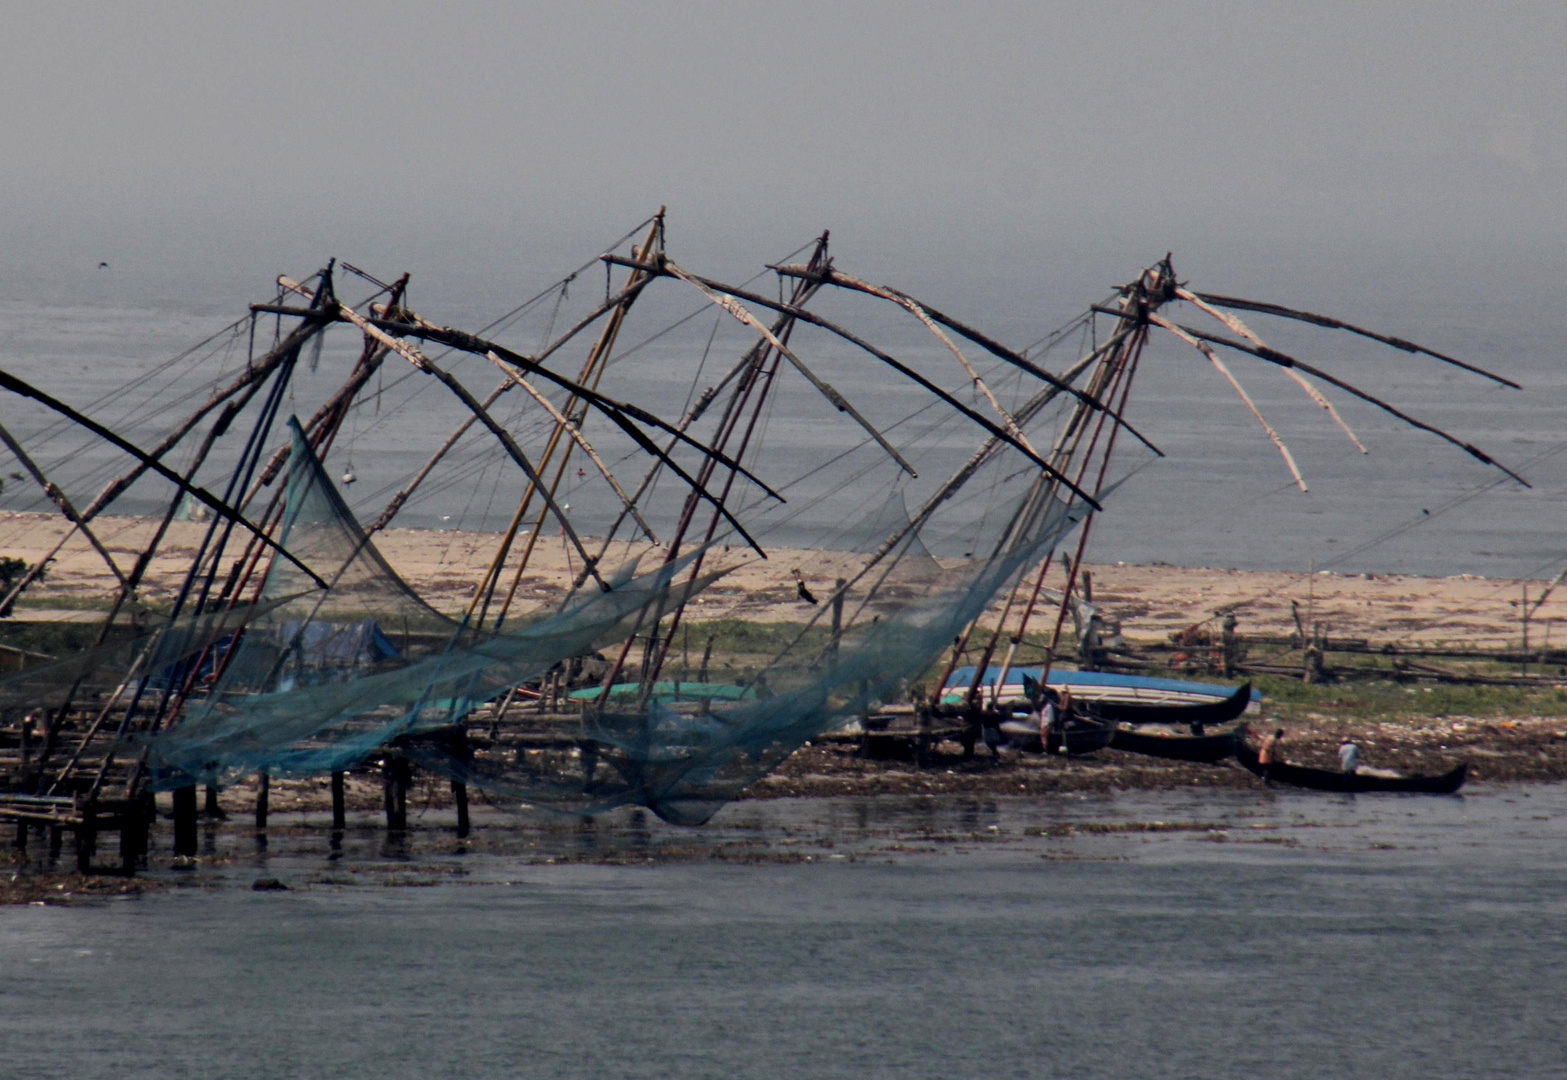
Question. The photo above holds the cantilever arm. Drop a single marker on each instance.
(1273, 356)
(1207, 350)
(805, 315)
(913, 307)
(60, 499)
(617, 411)
(838, 401)
(1245, 331)
(577, 437)
(423, 363)
(990, 345)
(17, 386)
(1337, 324)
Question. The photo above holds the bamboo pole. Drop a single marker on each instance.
(423, 363)
(578, 438)
(1337, 324)
(1204, 348)
(1273, 356)
(1245, 331)
(60, 500)
(576, 412)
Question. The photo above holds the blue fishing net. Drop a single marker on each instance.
(327, 676)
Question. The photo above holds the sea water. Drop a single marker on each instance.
(1215, 934)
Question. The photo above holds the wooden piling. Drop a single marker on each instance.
(395, 779)
(133, 837)
(463, 753)
(707, 654)
(86, 840)
(388, 799)
(838, 587)
(185, 820)
(339, 802)
(210, 806)
(1229, 644)
(263, 798)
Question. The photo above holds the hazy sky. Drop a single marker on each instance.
(261, 127)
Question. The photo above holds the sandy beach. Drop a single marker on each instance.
(1150, 601)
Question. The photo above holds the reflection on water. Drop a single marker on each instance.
(1211, 934)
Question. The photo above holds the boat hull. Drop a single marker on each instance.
(1216, 712)
(1205, 748)
(1331, 780)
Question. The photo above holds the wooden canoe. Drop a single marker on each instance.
(1207, 748)
(1215, 712)
(1333, 780)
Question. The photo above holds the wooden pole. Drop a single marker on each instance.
(133, 836)
(339, 802)
(839, 587)
(388, 796)
(464, 754)
(1523, 611)
(396, 772)
(185, 820)
(263, 798)
(86, 839)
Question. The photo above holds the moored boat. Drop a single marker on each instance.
(1193, 713)
(1209, 748)
(1104, 688)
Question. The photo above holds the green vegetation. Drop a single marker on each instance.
(1366, 687)
(66, 602)
(11, 571)
(52, 639)
(753, 638)
(1387, 699)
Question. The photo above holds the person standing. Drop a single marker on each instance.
(1064, 713)
(1045, 718)
(1348, 756)
(1269, 754)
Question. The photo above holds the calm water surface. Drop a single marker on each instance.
(1276, 935)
